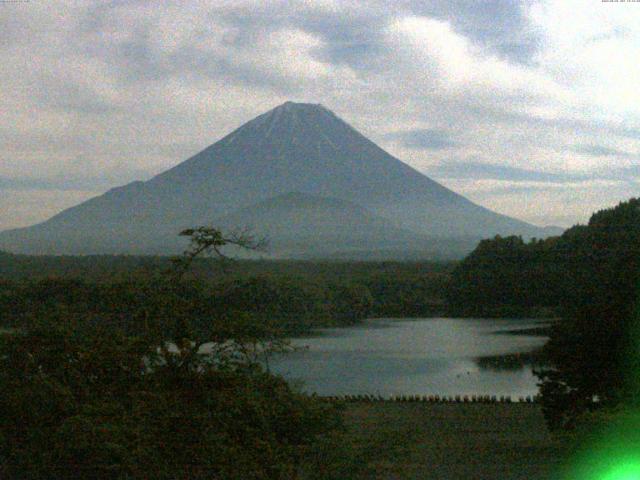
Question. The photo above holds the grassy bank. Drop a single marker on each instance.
(392, 440)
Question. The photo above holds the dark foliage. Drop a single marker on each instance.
(292, 296)
(86, 401)
(143, 379)
(594, 351)
(590, 277)
(507, 277)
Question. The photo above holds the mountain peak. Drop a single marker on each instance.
(289, 106)
(282, 121)
(289, 109)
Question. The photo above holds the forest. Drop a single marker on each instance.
(102, 371)
(589, 278)
(294, 295)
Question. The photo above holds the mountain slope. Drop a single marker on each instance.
(302, 225)
(293, 148)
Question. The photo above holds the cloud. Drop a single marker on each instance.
(539, 203)
(589, 49)
(599, 151)
(473, 170)
(59, 183)
(21, 208)
(26, 183)
(539, 94)
(423, 139)
(500, 26)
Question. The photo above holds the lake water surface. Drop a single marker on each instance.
(439, 356)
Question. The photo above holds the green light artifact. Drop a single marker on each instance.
(626, 470)
(609, 447)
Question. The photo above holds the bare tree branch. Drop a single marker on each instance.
(207, 240)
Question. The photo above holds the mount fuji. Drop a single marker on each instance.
(298, 174)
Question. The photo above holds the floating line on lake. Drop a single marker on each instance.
(485, 399)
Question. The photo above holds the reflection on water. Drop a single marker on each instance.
(441, 356)
(512, 361)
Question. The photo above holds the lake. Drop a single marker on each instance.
(435, 356)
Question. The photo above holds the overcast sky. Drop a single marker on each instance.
(529, 108)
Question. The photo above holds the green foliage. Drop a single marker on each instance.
(134, 380)
(407, 294)
(86, 401)
(590, 277)
(594, 352)
(350, 302)
(288, 305)
(292, 297)
(102, 268)
(506, 277)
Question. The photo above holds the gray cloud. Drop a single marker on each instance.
(587, 125)
(628, 132)
(138, 58)
(423, 139)
(354, 38)
(26, 183)
(475, 170)
(629, 173)
(356, 42)
(63, 183)
(500, 26)
(58, 184)
(97, 94)
(516, 189)
(70, 97)
(599, 151)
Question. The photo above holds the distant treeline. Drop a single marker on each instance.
(101, 267)
(506, 276)
(294, 297)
